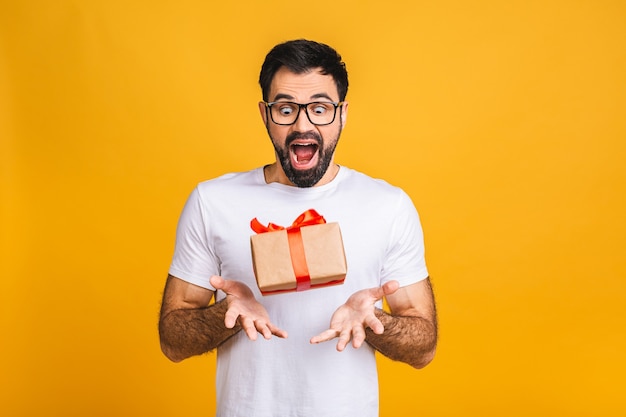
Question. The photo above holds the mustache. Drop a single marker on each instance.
(303, 135)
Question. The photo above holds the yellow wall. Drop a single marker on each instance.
(504, 120)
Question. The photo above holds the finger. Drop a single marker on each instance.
(344, 339)
(390, 287)
(277, 331)
(249, 328)
(373, 323)
(230, 318)
(261, 327)
(217, 282)
(358, 336)
(226, 285)
(387, 288)
(376, 293)
(325, 336)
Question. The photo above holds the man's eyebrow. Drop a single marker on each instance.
(282, 96)
(321, 95)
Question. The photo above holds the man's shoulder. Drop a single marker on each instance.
(231, 179)
(358, 179)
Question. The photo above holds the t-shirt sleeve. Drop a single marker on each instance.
(194, 259)
(405, 260)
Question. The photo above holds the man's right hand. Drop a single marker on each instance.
(244, 309)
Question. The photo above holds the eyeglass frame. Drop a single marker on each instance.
(336, 105)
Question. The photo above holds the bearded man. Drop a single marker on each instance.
(211, 299)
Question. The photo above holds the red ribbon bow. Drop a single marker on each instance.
(296, 246)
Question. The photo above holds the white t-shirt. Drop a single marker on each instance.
(382, 239)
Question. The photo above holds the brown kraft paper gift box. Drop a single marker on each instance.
(321, 252)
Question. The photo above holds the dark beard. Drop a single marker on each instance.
(309, 177)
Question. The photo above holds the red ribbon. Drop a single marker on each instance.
(296, 246)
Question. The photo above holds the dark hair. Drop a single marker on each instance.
(300, 56)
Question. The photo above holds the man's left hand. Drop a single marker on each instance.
(350, 320)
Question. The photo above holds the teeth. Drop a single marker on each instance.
(303, 145)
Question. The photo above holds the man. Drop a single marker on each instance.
(291, 371)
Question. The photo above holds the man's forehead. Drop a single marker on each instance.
(310, 84)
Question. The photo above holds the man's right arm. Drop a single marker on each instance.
(188, 325)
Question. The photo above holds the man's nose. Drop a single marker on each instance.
(303, 123)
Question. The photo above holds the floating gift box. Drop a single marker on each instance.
(308, 254)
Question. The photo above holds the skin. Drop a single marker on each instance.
(303, 88)
(189, 325)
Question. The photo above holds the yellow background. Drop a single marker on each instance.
(504, 121)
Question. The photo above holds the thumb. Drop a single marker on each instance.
(217, 282)
(390, 287)
(386, 289)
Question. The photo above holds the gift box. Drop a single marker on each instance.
(308, 254)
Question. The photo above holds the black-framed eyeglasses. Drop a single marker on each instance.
(319, 113)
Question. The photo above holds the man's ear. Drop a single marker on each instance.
(263, 111)
(344, 113)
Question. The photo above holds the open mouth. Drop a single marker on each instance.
(304, 154)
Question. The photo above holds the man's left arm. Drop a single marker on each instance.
(410, 328)
(408, 333)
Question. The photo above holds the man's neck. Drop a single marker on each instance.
(274, 173)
